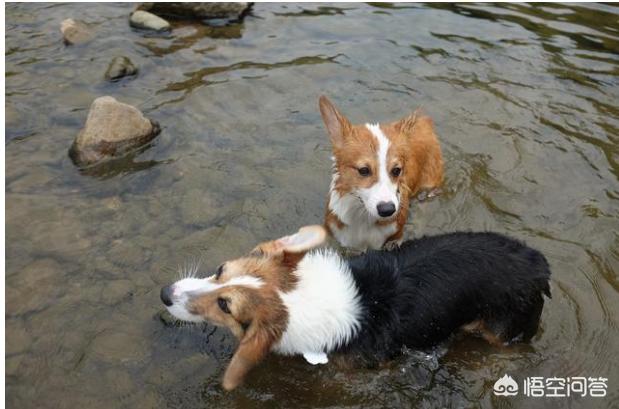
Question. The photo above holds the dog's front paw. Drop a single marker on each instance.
(392, 245)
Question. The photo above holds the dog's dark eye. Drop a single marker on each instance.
(364, 171)
(223, 305)
(220, 270)
(396, 171)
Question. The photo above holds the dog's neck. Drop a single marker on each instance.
(324, 309)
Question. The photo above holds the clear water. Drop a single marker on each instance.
(524, 98)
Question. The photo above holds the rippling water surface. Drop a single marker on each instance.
(525, 100)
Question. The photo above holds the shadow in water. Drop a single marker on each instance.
(320, 11)
(122, 165)
(197, 78)
(199, 32)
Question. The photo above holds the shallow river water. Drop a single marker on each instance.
(525, 100)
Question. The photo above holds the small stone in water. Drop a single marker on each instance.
(75, 32)
(120, 67)
(148, 21)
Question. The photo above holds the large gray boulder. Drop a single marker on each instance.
(75, 32)
(148, 21)
(112, 129)
(198, 10)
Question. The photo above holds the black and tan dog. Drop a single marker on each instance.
(284, 298)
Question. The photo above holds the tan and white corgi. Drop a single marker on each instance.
(377, 169)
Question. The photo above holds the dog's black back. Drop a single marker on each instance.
(421, 293)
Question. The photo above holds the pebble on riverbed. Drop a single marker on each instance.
(112, 129)
(147, 21)
(120, 67)
(231, 11)
(75, 32)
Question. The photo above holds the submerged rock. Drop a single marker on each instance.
(198, 207)
(120, 67)
(34, 288)
(17, 339)
(120, 345)
(198, 10)
(112, 129)
(75, 32)
(117, 290)
(145, 20)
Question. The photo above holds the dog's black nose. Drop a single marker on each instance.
(385, 209)
(166, 295)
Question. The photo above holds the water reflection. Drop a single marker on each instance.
(197, 78)
(120, 166)
(186, 34)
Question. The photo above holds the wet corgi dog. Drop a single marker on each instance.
(377, 169)
(286, 299)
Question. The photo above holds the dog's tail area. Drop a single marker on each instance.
(518, 319)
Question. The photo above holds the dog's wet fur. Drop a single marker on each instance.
(288, 297)
(377, 170)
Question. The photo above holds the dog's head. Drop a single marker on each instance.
(243, 295)
(373, 162)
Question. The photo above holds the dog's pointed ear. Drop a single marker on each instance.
(292, 248)
(337, 124)
(296, 245)
(307, 238)
(426, 170)
(406, 125)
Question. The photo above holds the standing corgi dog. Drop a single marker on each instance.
(284, 298)
(377, 169)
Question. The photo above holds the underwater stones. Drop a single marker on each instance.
(18, 339)
(13, 364)
(198, 208)
(230, 10)
(120, 67)
(147, 21)
(113, 203)
(75, 32)
(120, 345)
(127, 254)
(34, 288)
(117, 290)
(120, 381)
(112, 129)
(11, 115)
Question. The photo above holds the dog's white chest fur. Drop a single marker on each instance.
(323, 310)
(360, 231)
